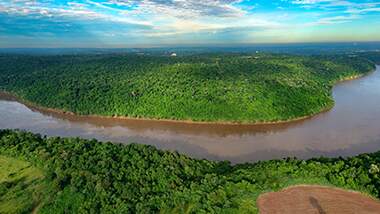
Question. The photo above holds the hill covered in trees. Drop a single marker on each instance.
(71, 175)
(208, 87)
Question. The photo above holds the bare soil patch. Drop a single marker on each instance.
(316, 200)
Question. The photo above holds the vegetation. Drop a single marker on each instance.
(374, 56)
(21, 186)
(71, 175)
(210, 87)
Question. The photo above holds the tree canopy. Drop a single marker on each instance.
(244, 88)
(87, 176)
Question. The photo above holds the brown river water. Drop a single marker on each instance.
(351, 127)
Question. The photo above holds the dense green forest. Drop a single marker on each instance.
(71, 175)
(243, 88)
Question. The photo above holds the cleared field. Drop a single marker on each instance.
(316, 199)
(21, 186)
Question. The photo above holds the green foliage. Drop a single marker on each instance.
(374, 56)
(213, 87)
(86, 176)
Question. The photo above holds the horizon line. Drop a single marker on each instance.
(202, 45)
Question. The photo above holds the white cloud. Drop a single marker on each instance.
(336, 19)
(73, 10)
(185, 8)
(311, 1)
(159, 19)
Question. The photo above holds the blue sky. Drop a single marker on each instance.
(150, 23)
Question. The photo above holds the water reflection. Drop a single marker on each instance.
(351, 127)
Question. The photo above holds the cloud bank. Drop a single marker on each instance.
(159, 22)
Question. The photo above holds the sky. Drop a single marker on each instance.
(156, 23)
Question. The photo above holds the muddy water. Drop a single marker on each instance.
(351, 127)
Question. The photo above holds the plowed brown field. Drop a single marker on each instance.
(316, 200)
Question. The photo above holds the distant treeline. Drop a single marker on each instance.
(86, 176)
(374, 56)
(207, 87)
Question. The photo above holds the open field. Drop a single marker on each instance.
(21, 186)
(310, 199)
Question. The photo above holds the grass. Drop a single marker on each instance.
(21, 185)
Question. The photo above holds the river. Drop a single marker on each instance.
(351, 127)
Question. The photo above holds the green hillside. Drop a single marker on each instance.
(212, 87)
(67, 175)
(22, 186)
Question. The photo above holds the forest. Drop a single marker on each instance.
(213, 87)
(71, 175)
(373, 56)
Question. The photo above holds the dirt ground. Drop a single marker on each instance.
(316, 200)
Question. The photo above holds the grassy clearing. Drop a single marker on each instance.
(21, 186)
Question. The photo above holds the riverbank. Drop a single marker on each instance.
(348, 129)
(273, 89)
(6, 95)
(10, 96)
(106, 177)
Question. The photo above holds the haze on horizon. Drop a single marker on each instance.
(144, 23)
